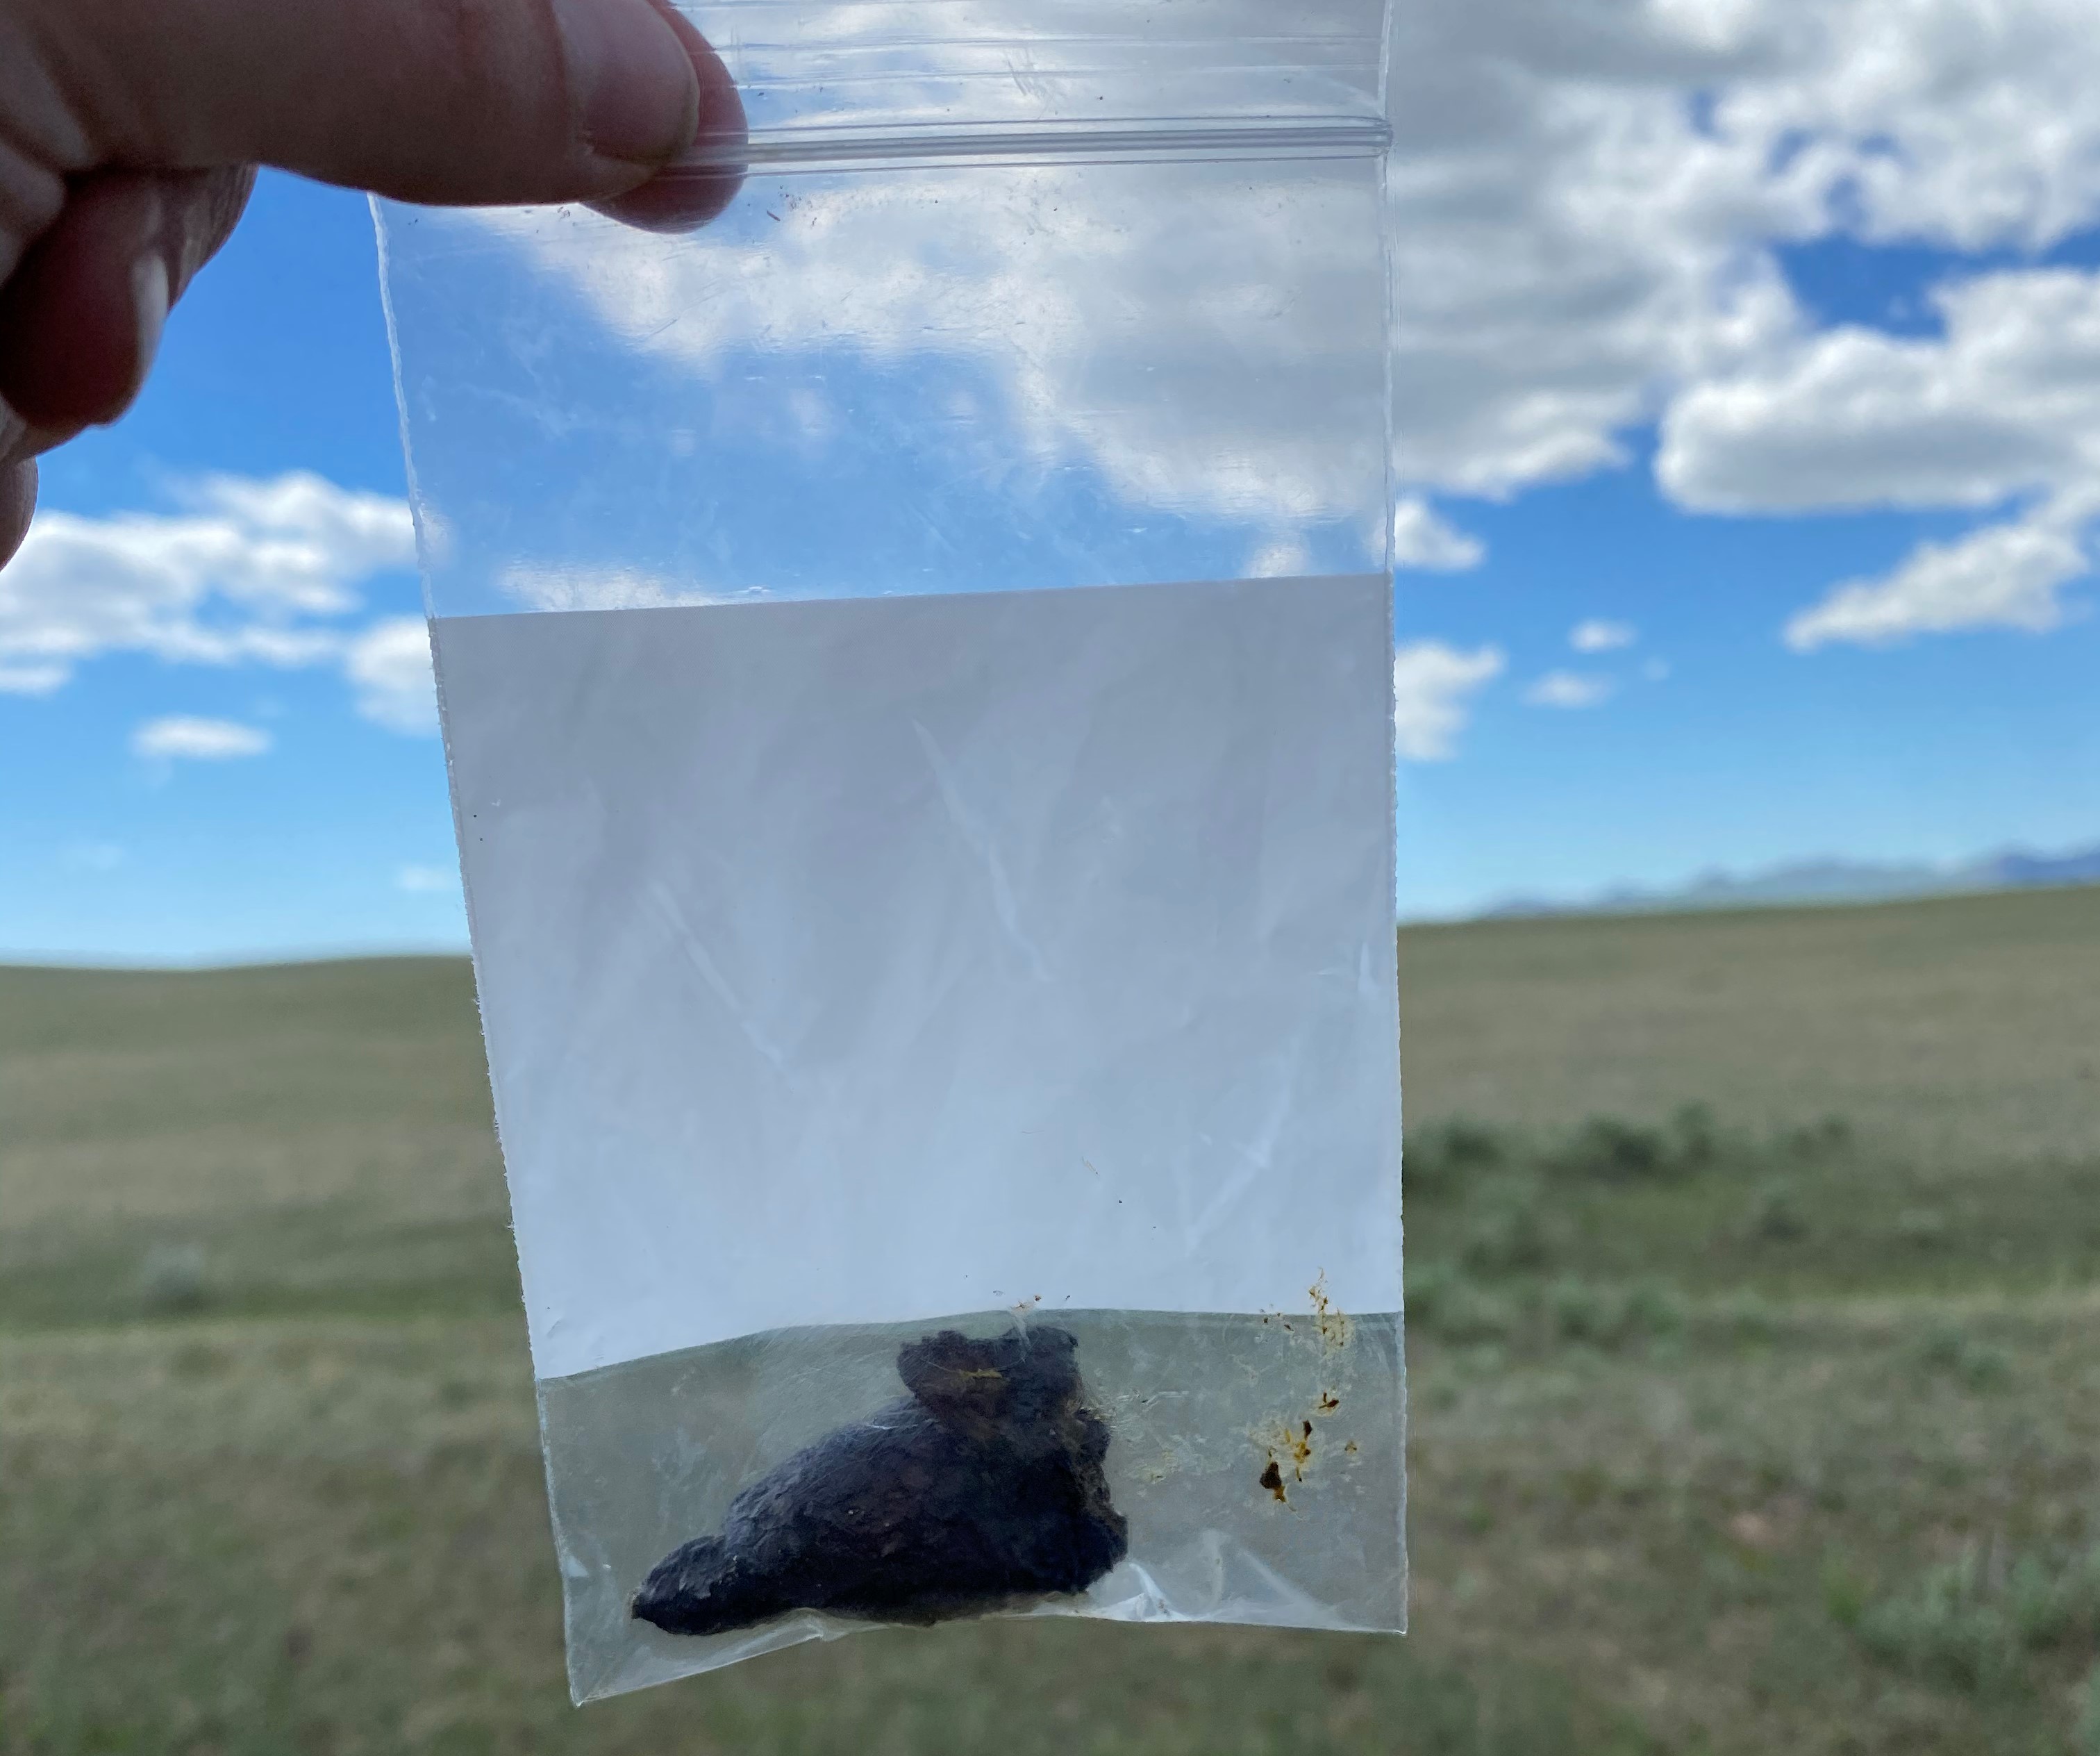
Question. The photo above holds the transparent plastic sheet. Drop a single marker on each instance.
(916, 669)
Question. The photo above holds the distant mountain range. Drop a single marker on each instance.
(1830, 881)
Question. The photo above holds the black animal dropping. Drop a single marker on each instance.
(983, 1487)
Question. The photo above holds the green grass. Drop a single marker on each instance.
(1954, 1033)
(1731, 1431)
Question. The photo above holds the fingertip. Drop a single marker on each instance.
(81, 317)
(687, 195)
(18, 504)
(681, 199)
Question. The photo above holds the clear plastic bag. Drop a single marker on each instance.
(916, 666)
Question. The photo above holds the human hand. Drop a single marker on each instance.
(131, 130)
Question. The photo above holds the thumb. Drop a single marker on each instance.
(426, 100)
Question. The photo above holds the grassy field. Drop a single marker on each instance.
(1755, 1265)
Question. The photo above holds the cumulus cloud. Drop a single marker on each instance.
(1599, 636)
(1432, 683)
(1588, 205)
(179, 737)
(2003, 403)
(46, 679)
(2002, 406)
(247, 572)
(1569, 689)
(1570, 243)
(1422, 539)
(1589, 202)
(1261, 401)
(389, 668)
(575, 588)
(1284, 559)
(1587, 199)
(1968, 127)
(2003, 576)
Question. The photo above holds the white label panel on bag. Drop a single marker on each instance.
(871, 960)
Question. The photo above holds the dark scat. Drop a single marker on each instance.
(982, 1488)
(1271, 1479)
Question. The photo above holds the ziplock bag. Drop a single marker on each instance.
(915, 660)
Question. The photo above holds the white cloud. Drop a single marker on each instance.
(1587, 206)
(1597, 636)
(2003, 576)
(1569, 689)
(1054, 283)
(1422, 539)
(1283, 560)
(1581, 240)
(302, 525)
(2004, 404)
(576, 588)
(389, 668)
(249, 572)
(1583, 247)
(1568, 245)
(1968, 126)
(1431, 684)
(427, 880)
(179, 737)
(32, 679)
(244, 575)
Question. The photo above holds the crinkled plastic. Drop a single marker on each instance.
(916, 669)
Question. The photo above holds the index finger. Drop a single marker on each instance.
(446, 101)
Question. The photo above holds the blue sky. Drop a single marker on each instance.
(276, 361)
(1699, 432)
